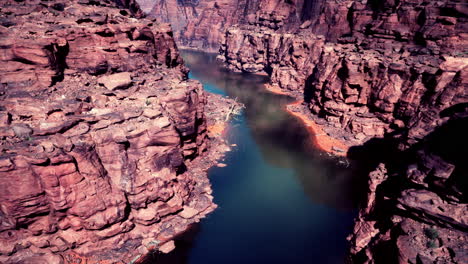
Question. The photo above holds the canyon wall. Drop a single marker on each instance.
(389, 78)
(416, 207)
(101, 132)
(375, 78)
(200, 24)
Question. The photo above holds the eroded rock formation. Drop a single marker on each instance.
(416, 210)
(201, 24)
(392, 63)
(392, 77)
(100, 133)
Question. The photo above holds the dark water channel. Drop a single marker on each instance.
(280, 200)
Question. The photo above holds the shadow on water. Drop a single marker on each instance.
(180, 255)
(280, 200)
(282, 139)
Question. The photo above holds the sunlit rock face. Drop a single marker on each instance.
(201, 24)
(371, 69)
(97, 123)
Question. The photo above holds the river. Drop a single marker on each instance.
(280, 199)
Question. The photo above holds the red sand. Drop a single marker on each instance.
(319, 138)
(275, 89)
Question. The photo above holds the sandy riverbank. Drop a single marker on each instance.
(317, 134)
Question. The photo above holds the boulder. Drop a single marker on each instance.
(115, 81)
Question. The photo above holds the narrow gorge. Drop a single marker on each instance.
(336, 128)
(388, 80)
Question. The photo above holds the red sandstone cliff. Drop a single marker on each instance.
(376, 79)
(201, 24)
(99, 129)
(389, 77)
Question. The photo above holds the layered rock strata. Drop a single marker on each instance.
(377, 79)
(390, 78)
(416, 210)
(101, 133)
(201, 24)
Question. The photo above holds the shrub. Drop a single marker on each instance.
(431, 233)
(431, 244)
(147, 102)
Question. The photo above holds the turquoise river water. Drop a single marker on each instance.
(280, 199)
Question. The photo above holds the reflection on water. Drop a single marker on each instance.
(280, 200)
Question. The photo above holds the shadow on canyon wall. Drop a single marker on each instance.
(443, 151)
(447, 142)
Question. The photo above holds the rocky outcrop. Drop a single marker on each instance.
(131, 5)
(201, 24)
(377, 79)
(78, 40)
(416, 209)
(101, 134)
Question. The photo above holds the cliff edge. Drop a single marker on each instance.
(103, 137)
(389, 79)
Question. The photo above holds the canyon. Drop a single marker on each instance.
(104, 139)
(202, 24)
(388, 79)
